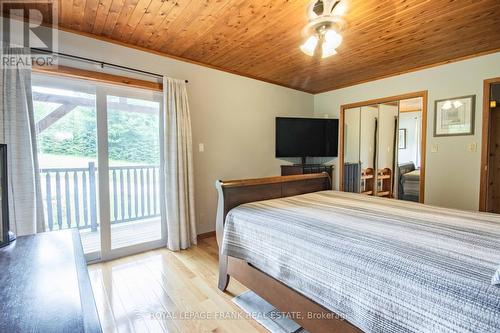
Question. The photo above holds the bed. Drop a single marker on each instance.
(409, 182)
(352, 263)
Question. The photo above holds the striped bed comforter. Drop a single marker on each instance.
(383, 265)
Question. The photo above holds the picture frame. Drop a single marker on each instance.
(454, 116)
(402, 138)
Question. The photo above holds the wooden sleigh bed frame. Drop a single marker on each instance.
(310, 315)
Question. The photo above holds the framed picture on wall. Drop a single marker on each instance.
(454, 116)
(402, 138)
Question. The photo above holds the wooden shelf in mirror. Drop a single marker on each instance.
(367, 181)
(384, 178)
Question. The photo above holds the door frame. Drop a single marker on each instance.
(424, 95)
(485, 143)
(104, 84)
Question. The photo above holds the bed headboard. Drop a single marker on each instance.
(233, 193)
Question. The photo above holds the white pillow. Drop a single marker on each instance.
(496, 277)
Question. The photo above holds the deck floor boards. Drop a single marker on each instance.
(123, 234)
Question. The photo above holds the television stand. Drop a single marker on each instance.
(301, 169)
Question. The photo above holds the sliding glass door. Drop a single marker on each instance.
(134, 155)
(100, 161)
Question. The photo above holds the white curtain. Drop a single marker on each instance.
(178, 166)
(18, 132)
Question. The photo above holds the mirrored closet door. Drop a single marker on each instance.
(411, 150)
(369, 125)
(383, 151)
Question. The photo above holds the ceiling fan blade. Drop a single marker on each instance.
(334, 5)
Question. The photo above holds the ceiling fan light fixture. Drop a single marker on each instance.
(324, 27)
(318, 7)
(327, 50)
(310, 45)
(340, 9)
(333, 38)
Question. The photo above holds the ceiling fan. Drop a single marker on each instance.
(325, 25)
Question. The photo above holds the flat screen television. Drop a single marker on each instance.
(306, 137)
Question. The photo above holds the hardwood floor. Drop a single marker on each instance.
(164, 291)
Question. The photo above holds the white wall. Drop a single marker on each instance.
(232, 115)
(453, 173)
(351, 135)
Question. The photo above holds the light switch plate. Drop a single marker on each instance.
(434, 148)
(472, 147)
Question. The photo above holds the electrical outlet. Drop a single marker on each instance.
(201, 147)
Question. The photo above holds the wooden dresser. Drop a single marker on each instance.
(45, 287)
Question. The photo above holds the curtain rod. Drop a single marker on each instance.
(102, 63)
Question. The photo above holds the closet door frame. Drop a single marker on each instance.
(423, 95)
(485, 144)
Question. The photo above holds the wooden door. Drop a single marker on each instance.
(493, 198)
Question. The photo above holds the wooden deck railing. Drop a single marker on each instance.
(70, 195)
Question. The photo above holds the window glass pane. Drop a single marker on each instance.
(134, 160)
(65, 120)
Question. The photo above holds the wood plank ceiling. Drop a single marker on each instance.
(261, 38)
